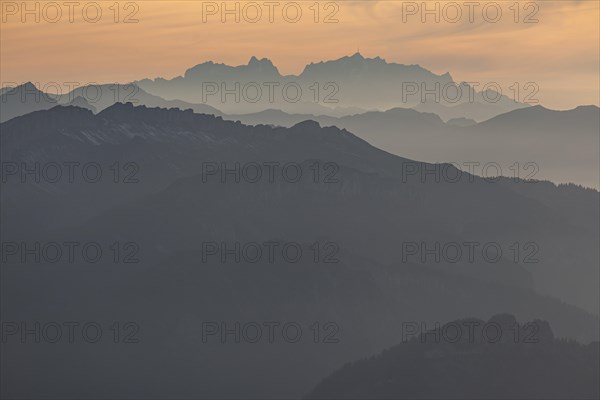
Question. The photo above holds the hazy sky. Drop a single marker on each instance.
(559, 52)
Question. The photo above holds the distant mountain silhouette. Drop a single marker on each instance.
(22, 100)
(340, 87)
(478, 110)
(27, 98)
(562, 144)
(531, 364)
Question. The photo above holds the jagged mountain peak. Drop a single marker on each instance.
(254, 61)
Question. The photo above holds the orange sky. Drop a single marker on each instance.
(560, 52)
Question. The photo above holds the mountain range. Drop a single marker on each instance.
(524, 143)
(348, 84)
(173, 206)
(560, 146)
(26, 98)
(382, 203)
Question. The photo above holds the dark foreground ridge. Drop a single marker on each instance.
(167, 208)
(461, 360)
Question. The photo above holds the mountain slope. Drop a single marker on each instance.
(349, 221)
(456, 362)
(22, 100)
(560, 146)
(167, 145)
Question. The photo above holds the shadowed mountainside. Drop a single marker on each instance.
(358, 203)
(467, 359)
